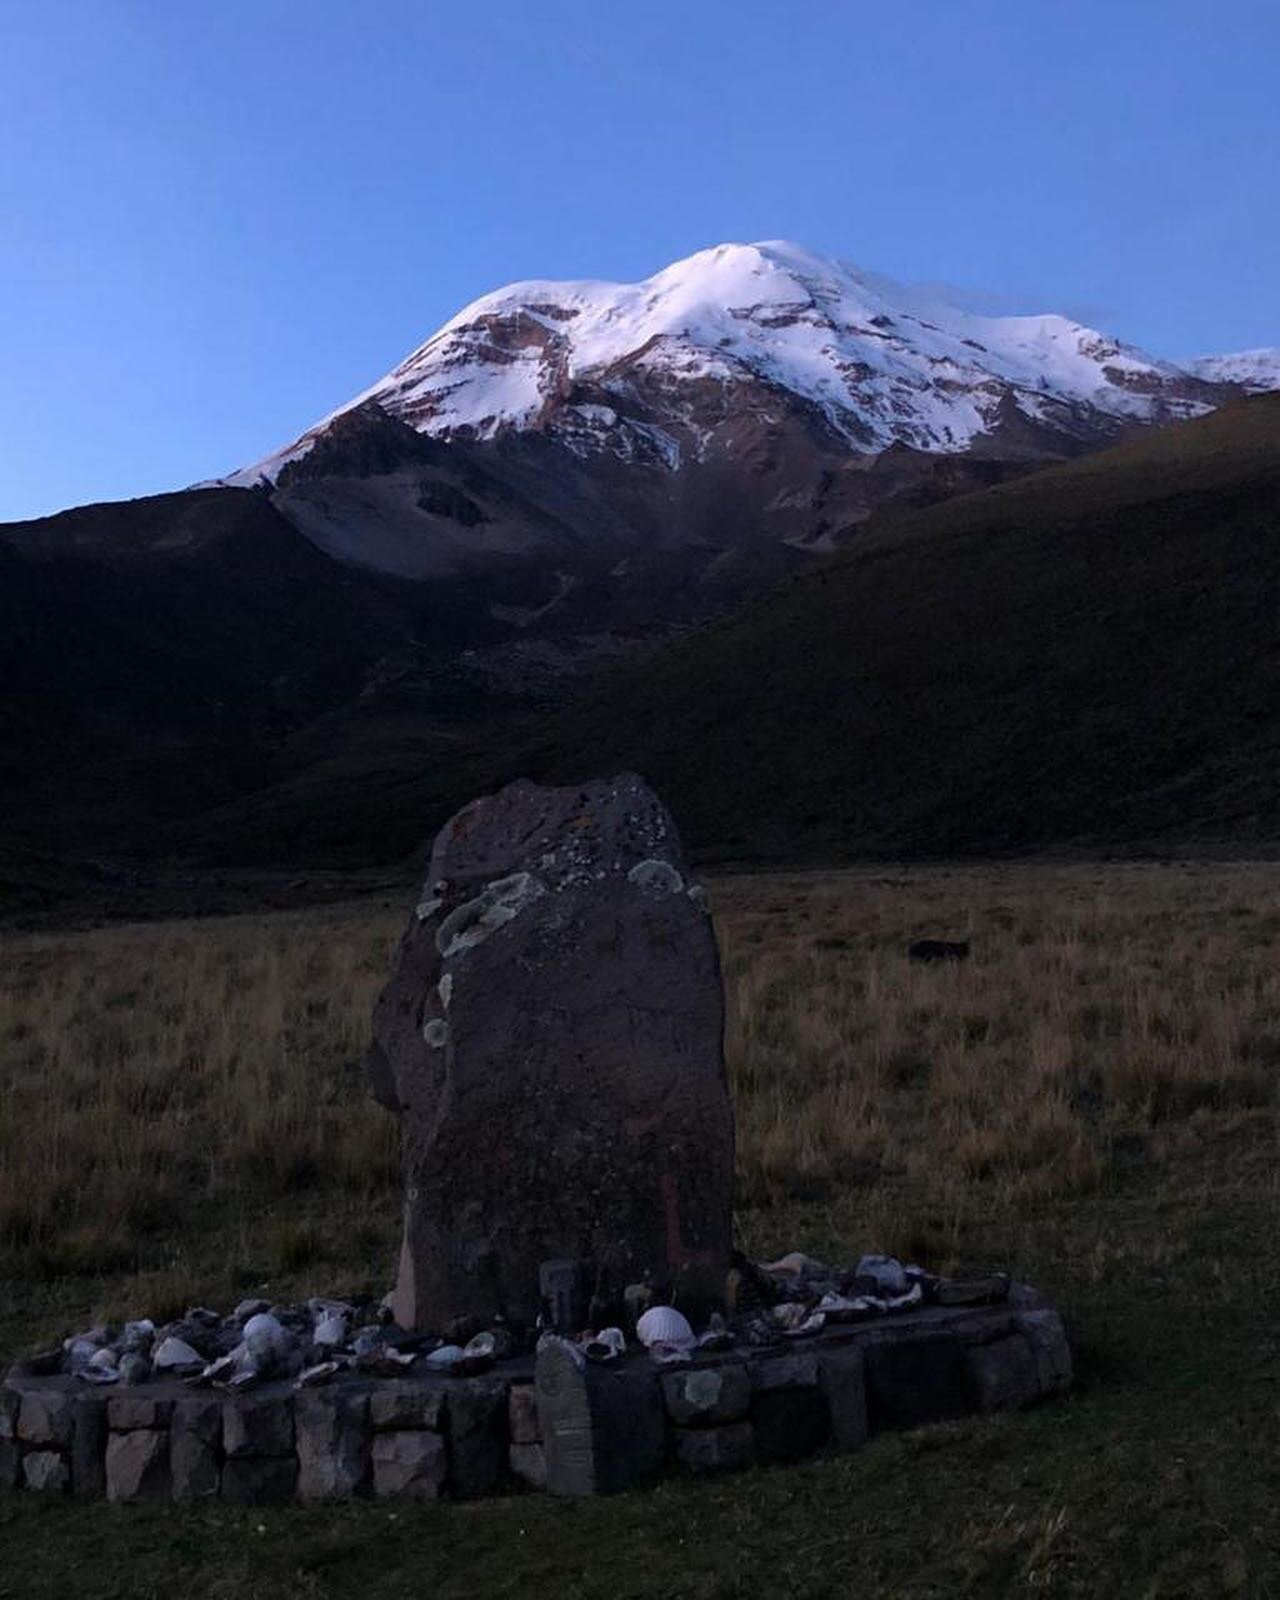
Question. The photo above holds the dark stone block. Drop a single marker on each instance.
(46, 1471)
(528, 1463)
(792, 1371)
(1047, 1336)
(408, 1464)
(408, 1404)
(259, 1480)
(842, 1373)
(726, 1449)
(89, 1447)
(603, 1427)
(1005, 1375)
(629, 1426)
(195, 1448)
(258, 1425)
(710, 1395)
(10, 1463)
(332, 1427)
(478, 1437)
(10, 1400)
(46, 1416)
(911, 1382)
(125, 1412)
(137, 1466)
(790, 1424)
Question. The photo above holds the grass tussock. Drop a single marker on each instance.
(187, 1097)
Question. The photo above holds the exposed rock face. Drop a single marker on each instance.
(553, 1038)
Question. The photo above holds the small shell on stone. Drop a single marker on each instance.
(220, 1370)
(445, 1358)
(664, 1325)
(812, 1324)
(98, 1375)
(667, 1354)
(608, 1345)
(849, 1308)
(492, 1342)
(172, 1355)
(717, 1335)
(312, 1377)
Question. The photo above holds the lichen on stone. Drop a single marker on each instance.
(500, 902)
(655, 874)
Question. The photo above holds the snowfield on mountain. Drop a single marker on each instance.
(661, 372)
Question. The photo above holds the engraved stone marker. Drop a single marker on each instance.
(552, 1037)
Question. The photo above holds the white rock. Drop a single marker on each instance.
(174, 1354)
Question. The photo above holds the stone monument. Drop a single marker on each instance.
(552, 1039)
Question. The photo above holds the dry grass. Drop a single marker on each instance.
(184, 1100)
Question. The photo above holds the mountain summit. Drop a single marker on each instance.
(690, 364)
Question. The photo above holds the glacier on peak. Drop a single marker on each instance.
(643, 369)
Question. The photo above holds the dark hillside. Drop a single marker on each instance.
(1087, 656)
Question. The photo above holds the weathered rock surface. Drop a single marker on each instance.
(552, 1036)
(195, 1448)
(46, 1472)
(698, 1395)
(408, 1464)
(726, 1449)
(138, 1465)
(258, 1426)
(47, 1416)
(1005, 1374)
(332, 1428)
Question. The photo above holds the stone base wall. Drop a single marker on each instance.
(554, 1424)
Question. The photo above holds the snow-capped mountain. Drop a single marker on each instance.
(1255, 371)
(665, 371)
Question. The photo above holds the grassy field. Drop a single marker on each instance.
(1091, 1099)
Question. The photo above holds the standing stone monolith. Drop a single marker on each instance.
(552, 1037)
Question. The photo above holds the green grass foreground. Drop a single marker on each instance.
(1091, 1100)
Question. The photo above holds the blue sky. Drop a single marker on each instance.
(219, 221)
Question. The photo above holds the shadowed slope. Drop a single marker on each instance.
(1090, 655)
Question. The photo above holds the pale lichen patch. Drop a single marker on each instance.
(499, 903)
(655, 874)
